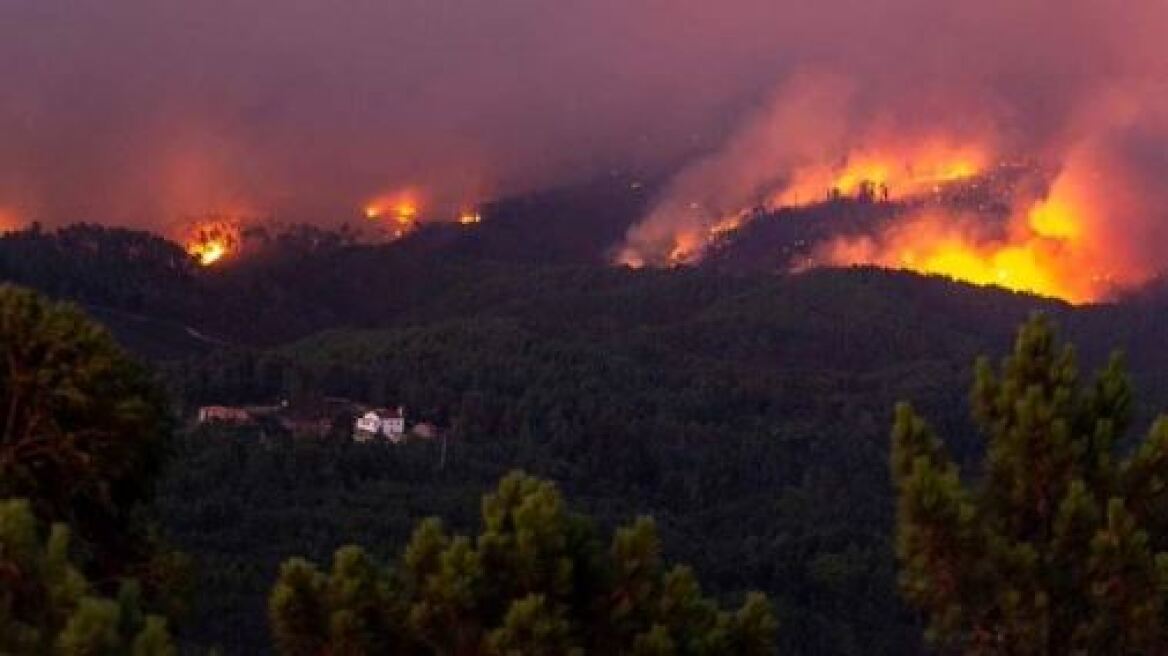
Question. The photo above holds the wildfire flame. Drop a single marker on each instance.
(401, 210)
(1050, 242)
(885, 173)
(209, 252)
(211, 241)
(870, 173)
(689, 246)
(1076, 212)
(1048, 247)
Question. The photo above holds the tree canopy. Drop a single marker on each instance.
(536, 580)
(48, 607)
(1058, 545)
(82, 427)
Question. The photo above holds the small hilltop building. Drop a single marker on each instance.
(381, 424)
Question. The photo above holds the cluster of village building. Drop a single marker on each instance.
(368, 424)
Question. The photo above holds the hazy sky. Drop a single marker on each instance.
(141, 111)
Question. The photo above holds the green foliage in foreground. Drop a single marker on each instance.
(535, 581)
(48, 607)
(1059, 547)
(82, 427)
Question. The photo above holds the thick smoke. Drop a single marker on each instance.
(143, 111)
(146, 111)
(1075, 86)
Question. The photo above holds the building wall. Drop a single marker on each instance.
(369, 423)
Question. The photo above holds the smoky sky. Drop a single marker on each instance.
(142, 112)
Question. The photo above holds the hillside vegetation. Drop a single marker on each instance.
(748, 413)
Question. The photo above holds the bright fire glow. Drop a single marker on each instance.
(402, 207)
(211, 241)
(1047, 248)
(9, 221)
(690, 246)
(876, 174)
(1056, 218)
(1055, 244)
(470, 218)
(932, 244)
(210, 252)
(400, 210)
(886, 172)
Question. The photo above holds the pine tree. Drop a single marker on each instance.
(48, 607)
(82, 427)
(1057, 546)
(536, 580)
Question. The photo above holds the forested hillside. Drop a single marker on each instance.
(748, 414)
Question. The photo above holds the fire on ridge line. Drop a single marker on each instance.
(211, 241)
(1047, 247)
(214, 240)
(403, 213)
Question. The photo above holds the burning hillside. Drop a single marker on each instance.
(212, 240)
(954, 218)
(400, 213)
(1080, 226)
(1044, 245)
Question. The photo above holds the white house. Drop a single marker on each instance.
(381, 423)
(212, 414)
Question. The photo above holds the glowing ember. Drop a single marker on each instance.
(470, 218)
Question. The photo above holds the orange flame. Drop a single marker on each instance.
(1047, 249)
(402, 210)
(211, 241)
(690, 246)
(1057, 245)
(882, 173)
(931, 244)
(887, 172)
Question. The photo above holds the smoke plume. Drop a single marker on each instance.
(144, 112)
(925, 94)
